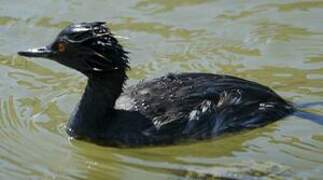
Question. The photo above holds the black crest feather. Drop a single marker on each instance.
(101, 44)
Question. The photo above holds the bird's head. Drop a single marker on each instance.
(86, 47)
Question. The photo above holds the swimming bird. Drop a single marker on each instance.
(160, 111)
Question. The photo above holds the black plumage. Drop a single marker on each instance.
(164, 110)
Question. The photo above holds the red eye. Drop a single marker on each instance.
(61, 47)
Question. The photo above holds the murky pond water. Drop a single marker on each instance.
(277, 43)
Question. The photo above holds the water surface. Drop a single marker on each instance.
(276, 43)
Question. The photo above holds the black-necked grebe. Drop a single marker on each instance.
(160, 111)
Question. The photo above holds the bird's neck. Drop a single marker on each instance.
(96, 108)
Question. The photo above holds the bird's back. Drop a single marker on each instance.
(201, 105)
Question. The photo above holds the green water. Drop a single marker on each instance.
(278, 43)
